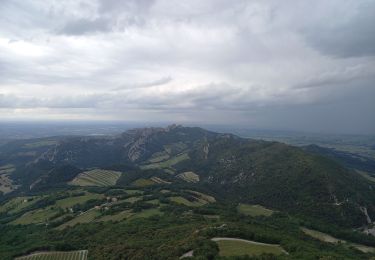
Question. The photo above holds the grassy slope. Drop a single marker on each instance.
(253, 210)
(237, 248)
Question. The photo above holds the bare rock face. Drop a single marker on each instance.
(139, 138)
(206, 150)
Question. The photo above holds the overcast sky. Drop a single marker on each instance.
(301, 65)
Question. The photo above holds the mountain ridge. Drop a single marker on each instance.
(272, 174)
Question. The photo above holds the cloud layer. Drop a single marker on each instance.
(297, 65)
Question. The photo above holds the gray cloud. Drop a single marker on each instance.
(85, 26)
(159, 82)
(262, 62)
(345, 38)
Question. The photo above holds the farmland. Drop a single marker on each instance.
(97, 177)
(41, 143)
(17, 204)
(183, 201)
(71, 201)
(253, 210)
(168, 163)
(238, 247)
(330, 239)
(189, 177)
(36, 216)
(72, 255)
(85, 217)
(143, 182)
(202, 196)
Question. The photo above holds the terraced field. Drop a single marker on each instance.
(56, 255)
(254, 210)
(97, 177)
(189, 177)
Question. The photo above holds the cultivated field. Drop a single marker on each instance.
(238, 247)
(189, 177)
(40, 144)
(97, 177)
(85, 217)
(181, 200)
(330, 239)
(168, 163)
(158, 157)
(160, 181)
(72, 255)
(143, 182)
(71, 201)
(202, 196)
(36, 216)
(253, 210)
(17, 204)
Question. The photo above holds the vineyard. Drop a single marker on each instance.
(97, 177)
(72, 255)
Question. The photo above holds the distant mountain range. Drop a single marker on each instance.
(301, 181)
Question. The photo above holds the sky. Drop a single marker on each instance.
(293, 65)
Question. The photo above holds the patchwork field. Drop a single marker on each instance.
(36, 216)
(97, 177)
(17, 204)
(254, 210)
(44, 215)
(238, 247)
(71, 201)
(189, 177)
(85, 217)
(72, 255)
